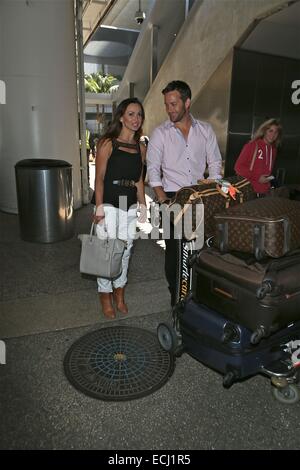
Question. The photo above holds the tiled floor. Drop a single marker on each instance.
(42, 290)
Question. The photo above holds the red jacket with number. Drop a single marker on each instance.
(263, 163)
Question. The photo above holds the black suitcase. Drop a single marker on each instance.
(263, 297)
(226, 346)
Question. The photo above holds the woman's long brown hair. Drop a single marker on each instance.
(115, 127)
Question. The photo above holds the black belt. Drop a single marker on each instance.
(123, 182)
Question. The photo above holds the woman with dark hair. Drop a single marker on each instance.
(257, 158)
(118, 188)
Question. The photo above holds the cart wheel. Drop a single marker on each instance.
(287, 395)
(167, 337)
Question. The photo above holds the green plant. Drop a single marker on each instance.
(98, 83)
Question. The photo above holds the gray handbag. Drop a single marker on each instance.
(101, 257)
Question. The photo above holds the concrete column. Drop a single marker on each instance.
(131, 90)
(154, 53)
(37, 65)
(186, 9)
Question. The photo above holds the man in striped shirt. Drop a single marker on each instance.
(178, 153)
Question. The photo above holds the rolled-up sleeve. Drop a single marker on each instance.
(213, 155)
(154, 158)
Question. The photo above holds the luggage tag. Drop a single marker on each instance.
(227, 189)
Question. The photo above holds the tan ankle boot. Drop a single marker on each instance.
(106, 304)
(119, 300)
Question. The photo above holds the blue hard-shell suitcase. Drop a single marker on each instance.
(226, 346)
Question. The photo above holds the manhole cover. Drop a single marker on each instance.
(118, 363)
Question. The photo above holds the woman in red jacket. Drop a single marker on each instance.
(257, 158)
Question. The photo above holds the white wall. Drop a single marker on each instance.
(37, 64)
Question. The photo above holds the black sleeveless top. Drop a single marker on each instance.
(122, 165)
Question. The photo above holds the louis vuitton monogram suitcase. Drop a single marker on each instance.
(210, 194)
(264, 227)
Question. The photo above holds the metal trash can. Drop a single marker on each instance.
(45, 200)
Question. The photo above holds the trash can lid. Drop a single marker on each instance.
(42, 163)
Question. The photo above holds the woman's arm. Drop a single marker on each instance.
(243, 163)
(104, 150)
(141, 189)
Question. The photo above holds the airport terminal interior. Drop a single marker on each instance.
(65, 65)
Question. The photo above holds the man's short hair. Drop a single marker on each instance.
(182, 88)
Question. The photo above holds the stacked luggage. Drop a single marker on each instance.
(252, 276)
(192, 211)
(244, 304)
(262, 296)
(213, 197)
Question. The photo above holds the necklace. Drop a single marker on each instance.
(130, 142)
(129, 145)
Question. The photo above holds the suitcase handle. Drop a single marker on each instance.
(259, 241)
(264, 289)
(223, 236)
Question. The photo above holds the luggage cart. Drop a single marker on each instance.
(228, 347)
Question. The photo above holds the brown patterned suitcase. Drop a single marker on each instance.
(263, 227)
(210, 194)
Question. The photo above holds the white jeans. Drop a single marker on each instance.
(117, 224)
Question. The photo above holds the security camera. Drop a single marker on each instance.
(139, 16)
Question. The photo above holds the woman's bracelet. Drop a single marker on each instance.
(100, 210)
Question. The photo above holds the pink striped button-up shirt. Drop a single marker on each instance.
(174, 162)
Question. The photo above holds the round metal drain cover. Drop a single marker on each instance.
(118, 363)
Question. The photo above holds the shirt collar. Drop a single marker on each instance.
(169, 124)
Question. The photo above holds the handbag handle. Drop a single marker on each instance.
(105, 229)
(92, 231)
